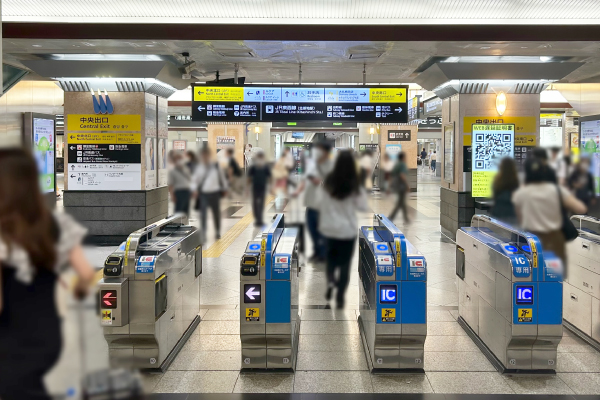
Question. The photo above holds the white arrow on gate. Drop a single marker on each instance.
(251, 293)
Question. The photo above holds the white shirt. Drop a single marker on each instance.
(337, 218)
(319, 171)
(539, 206)
(210, 177)
(433, 157)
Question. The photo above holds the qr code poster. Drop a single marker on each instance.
(490, 143)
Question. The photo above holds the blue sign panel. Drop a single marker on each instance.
(524, 295)
(388, 294)
(145, 265)
(254, 247)
(521, 267)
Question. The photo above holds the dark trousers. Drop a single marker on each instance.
(312, 223)
(182, 201)
(433, 165)
(212, 201)
(400, 204)
(258, 205)
(339, 257)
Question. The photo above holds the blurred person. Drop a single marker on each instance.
(316, 171)
(366, 169)
(433, 159)
(179, 180)
(191, 161)
(259, 177)
(342, 197)
(400, 186)
(290, 165)
(557, 163)
(209, 185)
(234, 172)
(423, 157)
(248, 155)
(541, 154)
(387, 165)
(581, 183)
(281, 175)
(35, 246)
(538, 209)
(504, 185)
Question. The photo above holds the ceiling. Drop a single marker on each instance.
(307, 11)
(322, 62)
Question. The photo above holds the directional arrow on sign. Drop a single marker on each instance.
(251, 293)
(200, 92)
(200, 108)
(399, 109)
(363, 94)
(73, 176)
(248, 93)
(72, 137)
(72, 147)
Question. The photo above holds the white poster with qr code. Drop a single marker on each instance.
(490, 143)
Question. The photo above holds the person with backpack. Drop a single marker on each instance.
(400, 186)
(36, 245)
(342, 197)
(209, 185)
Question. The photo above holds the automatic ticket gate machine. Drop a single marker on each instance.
(582, 284)
(510, 296)
(393, 298)
(150, 294)
(269, 319)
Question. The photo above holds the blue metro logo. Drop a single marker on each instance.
(102, 103)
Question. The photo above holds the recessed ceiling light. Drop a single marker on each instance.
(149, 45)
(485, 47)
(545, 58)
(36, 45)
(523, 47)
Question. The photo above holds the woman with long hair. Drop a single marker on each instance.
(341, 198)
(35, 245)
(505, 183)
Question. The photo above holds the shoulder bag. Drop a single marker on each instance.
(568, 229)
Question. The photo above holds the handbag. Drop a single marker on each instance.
(568, 229)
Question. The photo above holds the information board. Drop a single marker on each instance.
(490, 144)
(551, 130)
(590, 146)
(299, 103)
(449, 153)
(44, 143)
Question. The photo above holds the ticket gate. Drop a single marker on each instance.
(150, 294)
(393, 298)
(582, 284)
(269, 319)
(510, 295)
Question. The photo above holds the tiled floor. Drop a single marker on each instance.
(331, 357)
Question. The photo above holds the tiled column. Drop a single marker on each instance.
(112, 199)
(459, 112)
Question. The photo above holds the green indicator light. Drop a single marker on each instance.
(337, 123)
(292, 123)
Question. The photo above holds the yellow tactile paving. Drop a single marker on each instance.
(226, 240)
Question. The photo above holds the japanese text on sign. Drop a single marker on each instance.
(108, 123)
(490, 144)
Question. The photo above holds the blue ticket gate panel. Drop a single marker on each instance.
(581, 288)
(269, 318)
(393, 297)
(510, 295)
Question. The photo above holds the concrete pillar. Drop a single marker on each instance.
(459, 112)
(115, 175)
(263, 139)
(387, 144)
(221, 136)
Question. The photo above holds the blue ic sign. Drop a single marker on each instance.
(382, 247)
(510, 248)
(388, 294)
(255, 246)
(524, 294)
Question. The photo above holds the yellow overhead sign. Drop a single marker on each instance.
(387, 95)
(217, 93)
(520, 140)
(551, 116)
(522, 124)
(103, 123)
(104, 138)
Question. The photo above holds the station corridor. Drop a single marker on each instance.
(331, 358)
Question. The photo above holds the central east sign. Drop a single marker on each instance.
(299, 103)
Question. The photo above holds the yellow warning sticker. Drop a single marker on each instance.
(398, 254)
(388, 315)
(525, 315)
(252, 314)
(126, 252)
(263, 245)
(106, 317)
(534, 253)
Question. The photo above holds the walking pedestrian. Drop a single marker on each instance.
(400, 186)
(178, 180)
(259, 177)
(342, 197)
(433, 161)
(209, 184)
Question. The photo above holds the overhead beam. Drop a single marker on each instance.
(444, 33)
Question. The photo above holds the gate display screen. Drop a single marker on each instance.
(300, 103)
(388, 294)
(524, 295)
(108, 299)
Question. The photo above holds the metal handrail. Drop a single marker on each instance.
(498, 223)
